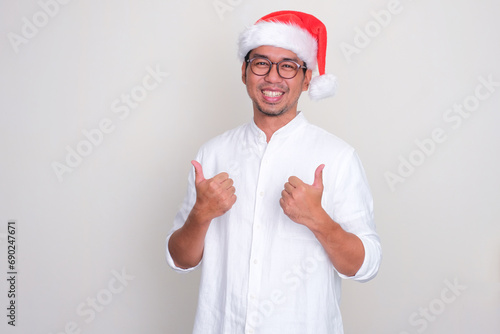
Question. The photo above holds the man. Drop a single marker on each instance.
(278, 210)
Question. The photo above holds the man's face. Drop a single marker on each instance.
(271, 94)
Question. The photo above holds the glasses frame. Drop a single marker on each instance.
(249, 61)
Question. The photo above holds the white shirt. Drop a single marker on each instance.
(261, 272)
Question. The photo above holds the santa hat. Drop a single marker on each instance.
(298, 32)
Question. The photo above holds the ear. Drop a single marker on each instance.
(307, 80)
(244, 73)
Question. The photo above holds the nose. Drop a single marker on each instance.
(273, 75)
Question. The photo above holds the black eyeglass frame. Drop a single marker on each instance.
(249, 61)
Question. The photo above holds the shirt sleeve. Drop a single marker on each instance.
(353, 210)
(180, 219)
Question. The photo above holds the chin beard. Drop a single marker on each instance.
(271, 114)
(277, 113)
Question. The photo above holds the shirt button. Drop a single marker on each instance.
(255, 261)
(261, 194)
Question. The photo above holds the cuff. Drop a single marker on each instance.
(371, 263)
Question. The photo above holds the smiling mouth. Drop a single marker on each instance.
(272, 93)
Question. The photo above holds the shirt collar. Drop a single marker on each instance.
(298, 121)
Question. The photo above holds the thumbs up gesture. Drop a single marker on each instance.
(214, 196)
(301, 202)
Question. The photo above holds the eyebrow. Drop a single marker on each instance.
(264, 56)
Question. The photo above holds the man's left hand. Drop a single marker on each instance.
(301, 202)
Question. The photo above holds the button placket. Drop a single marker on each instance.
(257, 247)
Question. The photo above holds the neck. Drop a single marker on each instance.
(270, 124)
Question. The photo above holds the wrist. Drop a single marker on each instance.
(199, 216)
(322, 223)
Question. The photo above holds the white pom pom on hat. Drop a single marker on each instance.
(300, 33)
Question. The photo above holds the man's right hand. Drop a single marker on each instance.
(214, 196)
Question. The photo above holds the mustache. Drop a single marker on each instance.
(273, 86)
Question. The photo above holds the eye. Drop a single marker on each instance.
(288, 66)
(260, 62)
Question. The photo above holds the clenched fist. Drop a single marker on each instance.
(214, 196)
(301, 202)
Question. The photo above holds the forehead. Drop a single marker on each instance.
(274, 53)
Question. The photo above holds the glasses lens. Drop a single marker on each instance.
(260, 66)
(288, 69)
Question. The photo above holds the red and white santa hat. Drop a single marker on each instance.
(298, 32)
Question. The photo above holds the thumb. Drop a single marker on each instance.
(198, 172)
(318, 177)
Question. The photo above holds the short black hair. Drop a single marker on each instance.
(247, 58)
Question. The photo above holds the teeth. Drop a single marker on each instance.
(270, 93)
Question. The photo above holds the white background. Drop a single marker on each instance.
(112, 212)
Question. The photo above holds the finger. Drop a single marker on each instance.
(198, 172)
(294, 181)
(318, 177)
(285, 195)
(227, 183)
(230, 201)
(228, 192)
(289, 188)
(221, 177)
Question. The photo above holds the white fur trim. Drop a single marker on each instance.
(286, 36)
(322, 86)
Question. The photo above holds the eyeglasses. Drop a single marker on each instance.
(287, 69)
